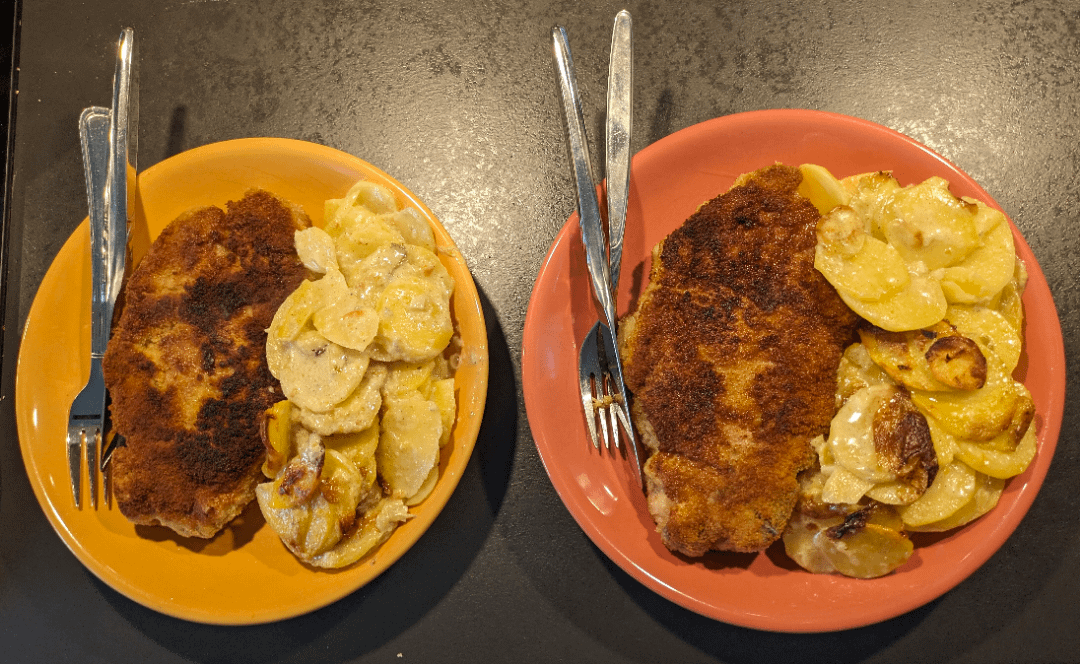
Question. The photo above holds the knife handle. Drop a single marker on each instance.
(620, 107)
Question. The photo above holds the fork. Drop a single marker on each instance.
(86, 418)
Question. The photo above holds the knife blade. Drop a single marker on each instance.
(592, 230)
(121, 188)
(123, 162)
(617, 170)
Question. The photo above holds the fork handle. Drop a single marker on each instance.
(94, 136)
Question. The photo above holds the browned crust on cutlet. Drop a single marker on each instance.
(731, 358)
(186, 366)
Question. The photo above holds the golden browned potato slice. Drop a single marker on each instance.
(865, 544)
(822, 188)
(1009, 302)
(276, 432)
(869, 553)
(990, 329)
(935, 359)
(957, 362)
(1000, 463)
(1001, 405)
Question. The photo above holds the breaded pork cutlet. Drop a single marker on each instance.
(186, 367)
(731, 359)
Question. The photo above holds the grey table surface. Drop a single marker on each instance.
(458, 101)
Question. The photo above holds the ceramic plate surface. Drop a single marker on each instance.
(669, 180)
(244, 575)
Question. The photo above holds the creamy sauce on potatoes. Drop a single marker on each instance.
(938, 282)
(364, 356)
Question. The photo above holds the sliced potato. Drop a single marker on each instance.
(801, 545)
(921, 303)
(407, 377)
(316, 250)
(927, 224)
(292, 316)
(372, 196)
(998, 463)
(990, 329)
(865, 544)
(1009, 302)
(821, 188)
(414, 322)
(357, 243)
(356, 413)
(426, 488)
(1001, 405)
(983, 273)
(276, 431)
(871, 196)
(935, 359)
(894, 493)
(409, 444)
(987, 492)
(872, 272)
(359, 448)
(856, 371)
(316, 373)
(347, 323)
(869, 553)
(414, 228)
(373, 530)
(944, 442)
(952, 489)
(851, 435)
(442, 393)
(844, 487)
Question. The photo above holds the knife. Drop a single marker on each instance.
(620, 104)
(121, 185)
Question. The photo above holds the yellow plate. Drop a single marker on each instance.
(244, 575)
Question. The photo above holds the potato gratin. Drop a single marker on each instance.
(365, 355)
(930, 422)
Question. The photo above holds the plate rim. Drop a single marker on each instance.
(464, 438)
(820, 623)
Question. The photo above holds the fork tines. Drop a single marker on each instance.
(88, 440)
(599, 395)
(87, 443)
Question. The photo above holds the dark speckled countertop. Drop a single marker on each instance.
(458, 101)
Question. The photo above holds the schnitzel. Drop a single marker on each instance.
(731, 359)
(186, 367)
